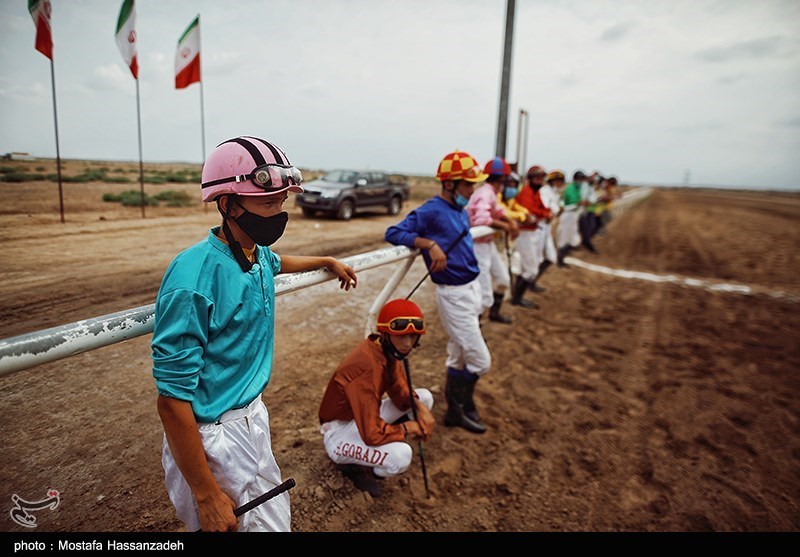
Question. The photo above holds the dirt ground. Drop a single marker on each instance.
(619, 405)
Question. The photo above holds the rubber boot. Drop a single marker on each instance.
(494, 311)
(534, 286)
(455, 393)
(562, 253)
(362, 477)
(517, 299)
(469, 402)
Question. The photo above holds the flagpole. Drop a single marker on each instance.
(139, 125)
(203, 133)
(58, 150)
(202, 109)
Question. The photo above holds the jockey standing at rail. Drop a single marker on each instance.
(485, 210)
(440, 228)
(569, 235)
(213, 339)
(551, 198)
(533, 244)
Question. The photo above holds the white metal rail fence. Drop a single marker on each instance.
(47, 345)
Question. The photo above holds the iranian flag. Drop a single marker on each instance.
(187, 57)
(40, 12)
(126, 35)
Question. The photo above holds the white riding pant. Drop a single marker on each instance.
(494, 271)
(530, 256)
(459, 308)
(344, 444)
(568, 230)
(550, 251)
(239, 453)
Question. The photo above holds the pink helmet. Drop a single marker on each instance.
(248, 165)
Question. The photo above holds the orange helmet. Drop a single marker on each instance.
(555, 175)
(459, 165)
(401, 317)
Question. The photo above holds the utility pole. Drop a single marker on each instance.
(522, 145)
(502, 119)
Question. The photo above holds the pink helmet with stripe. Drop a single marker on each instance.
(248, 165)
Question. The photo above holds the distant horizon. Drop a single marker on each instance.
(635, 183)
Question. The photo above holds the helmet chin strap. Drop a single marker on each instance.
(391, 350)
(236, 247)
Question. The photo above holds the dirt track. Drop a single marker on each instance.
(619, 405)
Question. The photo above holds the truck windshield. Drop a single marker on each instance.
(342, 176)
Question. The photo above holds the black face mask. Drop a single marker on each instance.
(264, 231)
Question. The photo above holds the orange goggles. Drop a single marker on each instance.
(405, 324)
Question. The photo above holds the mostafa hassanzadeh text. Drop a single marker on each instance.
(95, 545)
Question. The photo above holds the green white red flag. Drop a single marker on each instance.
(40, 12)
(187, 56)
(126, 35)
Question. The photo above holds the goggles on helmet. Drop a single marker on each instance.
(269, 177)
(405, 324)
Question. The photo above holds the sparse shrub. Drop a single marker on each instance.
(176, 178)
(174, 198)
(18, 177)
(117, 179)
(133, 198)
(112, 197)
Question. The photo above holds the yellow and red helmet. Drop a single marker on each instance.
(555, 175)
(401, 317)
(459, 165)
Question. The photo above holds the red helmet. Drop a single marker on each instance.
(401, 317)
(497, 167)
(534, 170)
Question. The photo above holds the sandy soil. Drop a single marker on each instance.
(619, 405)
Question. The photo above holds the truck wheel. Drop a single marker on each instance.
(345, 210)
(395, 205)
(309, 212)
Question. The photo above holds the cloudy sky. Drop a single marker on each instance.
(653, 91)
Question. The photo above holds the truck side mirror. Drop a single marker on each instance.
(361, 182)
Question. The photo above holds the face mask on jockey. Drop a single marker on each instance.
(264, 231)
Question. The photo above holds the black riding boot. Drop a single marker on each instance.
(469, 402)
(562, 253)
(455, 393)
(520, 285)
(362, 477)
(533, 286)
(494, 311)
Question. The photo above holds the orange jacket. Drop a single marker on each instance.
(356, 388)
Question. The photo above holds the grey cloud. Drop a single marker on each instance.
(729, 79)
(765, 47)
(695, 127)
(789, 122)
(616, 32)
